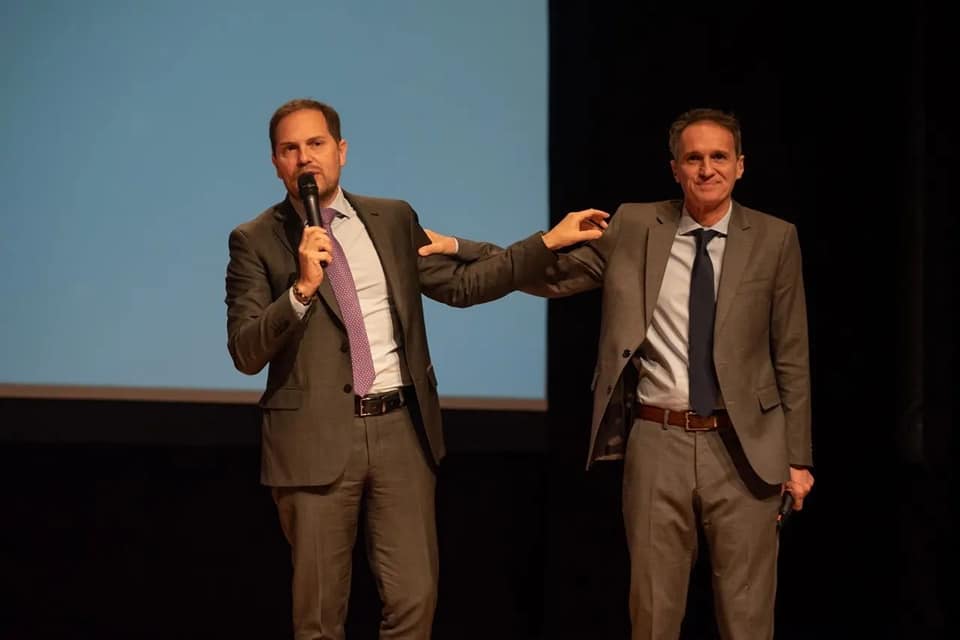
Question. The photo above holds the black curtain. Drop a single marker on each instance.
(836, 115)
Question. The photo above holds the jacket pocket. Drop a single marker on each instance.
(282, 398)
(769, 397)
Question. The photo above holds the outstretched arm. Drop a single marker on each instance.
(576, 227)
(463, 249)
(573, 272)
(480, 272)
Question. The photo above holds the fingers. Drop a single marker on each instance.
(316, 252)
(797, 499)
(316, 247)
(589, 219)
(593, 217)
(323, 258)
(593, 214)
(437, 246)
(799, 488)
(591, 233)
(439, 243)
(315, 238)
(591, 223)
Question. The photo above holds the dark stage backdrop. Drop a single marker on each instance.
(842, 138)
(145, 520)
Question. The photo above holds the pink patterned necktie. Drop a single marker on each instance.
(344, 288)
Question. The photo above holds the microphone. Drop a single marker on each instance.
(310, 196)
(786, 508)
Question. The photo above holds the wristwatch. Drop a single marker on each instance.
(302, 299)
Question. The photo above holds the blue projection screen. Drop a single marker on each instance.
(135, 138)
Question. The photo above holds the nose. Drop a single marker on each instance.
(706, 170)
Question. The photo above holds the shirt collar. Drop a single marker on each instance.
(688, 224)
(342, 205)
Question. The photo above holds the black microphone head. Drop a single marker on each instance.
(307, 185)
(309, 195)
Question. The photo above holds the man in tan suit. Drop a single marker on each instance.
(702, 381)
(350, 411)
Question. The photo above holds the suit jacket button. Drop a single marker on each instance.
(347, 388)
(626, 353)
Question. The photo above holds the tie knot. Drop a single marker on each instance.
(704, 236)
(327, 215)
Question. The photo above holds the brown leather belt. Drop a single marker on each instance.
(375, 404)
(687, 420)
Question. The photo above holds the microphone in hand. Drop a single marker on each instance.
(310, 196)
(786, 508)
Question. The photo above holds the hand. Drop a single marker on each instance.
(579, 226)
(315, 251)
(445, 245)
(799, 484)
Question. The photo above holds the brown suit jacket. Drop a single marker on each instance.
(308, 403)
(760, 340)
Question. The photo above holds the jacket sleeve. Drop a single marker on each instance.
(565, 273)
(471, 250)
(257, 325)
(461, 282)
(789, 350)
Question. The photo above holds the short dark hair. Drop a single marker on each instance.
(329, 113)
(726, 120)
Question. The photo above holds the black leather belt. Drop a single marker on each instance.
(375, 404)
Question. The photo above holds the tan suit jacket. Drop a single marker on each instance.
(308, 403)
(760, 340)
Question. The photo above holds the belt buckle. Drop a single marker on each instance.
(374, 403)
(688, 427)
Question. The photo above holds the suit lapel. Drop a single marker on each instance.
(735, 257)
(659, 243)
(290, 229)
(378, 228)
(290, 232)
